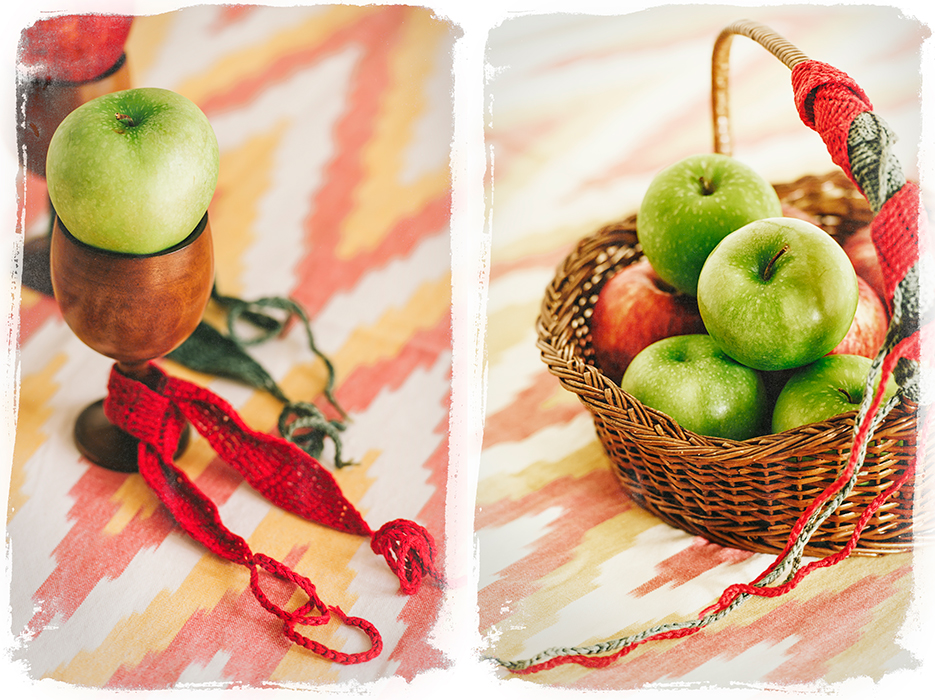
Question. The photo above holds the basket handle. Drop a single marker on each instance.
(832, 104)
(720, 69)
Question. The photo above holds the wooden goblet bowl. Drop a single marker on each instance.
(46, 104)
(133, 309)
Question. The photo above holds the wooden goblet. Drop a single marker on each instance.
(46, 103)
(133, 309)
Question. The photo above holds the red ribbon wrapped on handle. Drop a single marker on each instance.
(833, 105)
(155, 410)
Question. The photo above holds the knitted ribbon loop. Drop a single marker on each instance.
(134, 407)
(258, 319)
(907, 311)
(209, 351)
(409, 549)
(250, 323)
(254, 311)
(283, 473)
(302, 614)
(828, 100)
(155, 420)
(874, 166)
(373, 635)
(238, 308)
(901, 236)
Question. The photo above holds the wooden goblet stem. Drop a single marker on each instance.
(133, 309)
(106, 445)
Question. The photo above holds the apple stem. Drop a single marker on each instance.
(769, 269)
(706, 187)
(850, 399)
(125, 119)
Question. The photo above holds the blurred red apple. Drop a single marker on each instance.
(796, 213)
(863, 255)
(868, 329)
(73, 48)
(634, 309)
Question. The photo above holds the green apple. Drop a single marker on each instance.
(691, 380)
(777, 294)
(133, 171)
(828, 387)
(691, 205)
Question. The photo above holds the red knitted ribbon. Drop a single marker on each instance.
(827, 101)
(900, 235)
(155, 412)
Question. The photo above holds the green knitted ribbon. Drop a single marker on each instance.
(210, 351)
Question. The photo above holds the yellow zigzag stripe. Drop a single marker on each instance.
(381, 199)
(245, 177)
(240, 65)
(35, 393)
(383, 340)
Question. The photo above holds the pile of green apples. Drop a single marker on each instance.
(742, 319)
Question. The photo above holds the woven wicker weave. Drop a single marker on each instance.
(740, 494)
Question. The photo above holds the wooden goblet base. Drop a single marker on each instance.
(107, 446)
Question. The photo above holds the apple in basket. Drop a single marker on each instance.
(634, 309)
(692, 381)
(826, 388)
(691, 205)
(868, 329)
(133, 171)
(777, 293)
(863, 254)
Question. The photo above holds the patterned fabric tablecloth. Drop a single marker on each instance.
(583, 112)
(334, 125)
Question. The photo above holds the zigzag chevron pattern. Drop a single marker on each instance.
(584, 111)
(334, 124)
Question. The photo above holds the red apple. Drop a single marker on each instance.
(634, 309)
(868, 329)
(796, 213)
(863, 255)
(73, 48)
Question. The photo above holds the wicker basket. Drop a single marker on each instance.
(741, 494)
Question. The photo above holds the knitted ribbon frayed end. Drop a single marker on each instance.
(409, 549)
